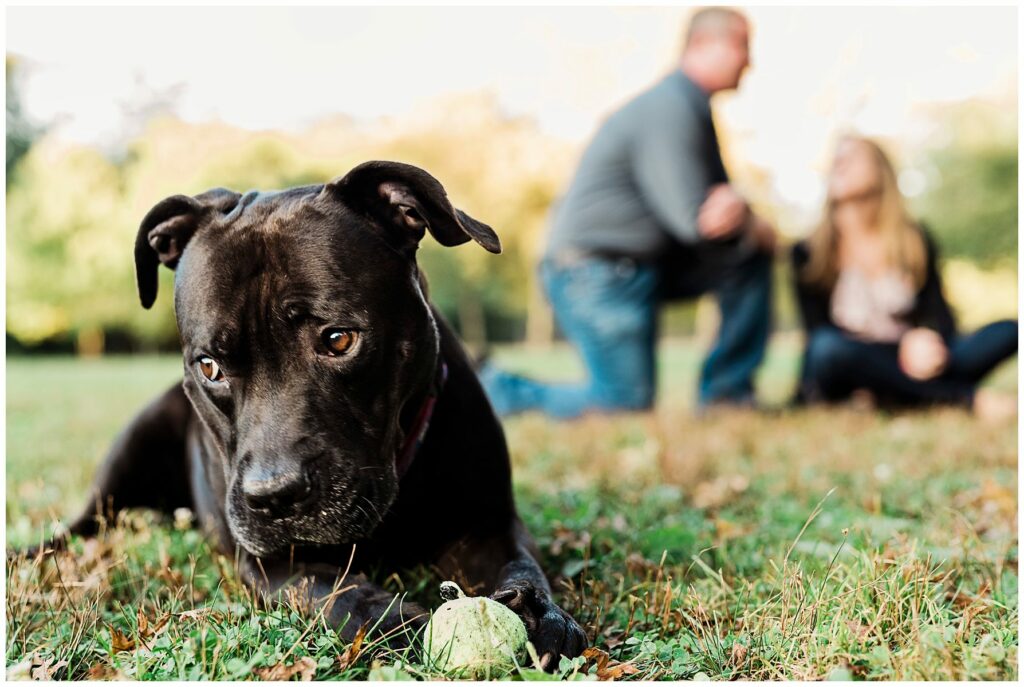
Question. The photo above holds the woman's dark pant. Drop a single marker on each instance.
(835, 365)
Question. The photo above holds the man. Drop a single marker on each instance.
(650, 216)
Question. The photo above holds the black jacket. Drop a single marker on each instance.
(930, 309)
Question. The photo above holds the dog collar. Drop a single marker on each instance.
(414, 437)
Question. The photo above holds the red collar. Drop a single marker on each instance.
(414, 437)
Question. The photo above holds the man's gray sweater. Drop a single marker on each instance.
(642, 180)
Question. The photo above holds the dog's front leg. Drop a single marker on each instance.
(523, 587)
(507, 561)
(347, 601)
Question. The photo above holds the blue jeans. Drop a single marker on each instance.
(608, 309)
(835, 365)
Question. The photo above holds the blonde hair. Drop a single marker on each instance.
(904, 243)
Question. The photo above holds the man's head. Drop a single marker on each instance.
(717, 48)
(308, 343)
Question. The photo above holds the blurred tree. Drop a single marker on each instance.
(70, 268)
(973, 208)
(20, 132)
(970, 202)
(72, 211)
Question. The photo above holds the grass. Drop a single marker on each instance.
(787, 545)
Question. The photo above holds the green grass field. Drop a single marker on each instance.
(784, 545)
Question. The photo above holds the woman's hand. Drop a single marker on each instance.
(923, 354)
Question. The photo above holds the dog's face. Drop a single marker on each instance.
(308, 343)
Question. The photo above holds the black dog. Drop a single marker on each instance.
(325, 403)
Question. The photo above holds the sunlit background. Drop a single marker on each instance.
(111, 109)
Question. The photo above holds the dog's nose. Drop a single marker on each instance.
(277, 491)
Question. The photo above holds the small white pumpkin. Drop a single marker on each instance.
(473, 637)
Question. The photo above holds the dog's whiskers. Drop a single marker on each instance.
(365, 514)
(373, 506)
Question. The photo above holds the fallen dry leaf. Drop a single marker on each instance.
(101, 671)
(727, 529)
(719, 491)
(965, 622)
(568, 539)
(199, 613)
(305, 668)
(147, 630)
(859, 629)
(738, 654)
(352, 652)
(962, 599)
(989, 506)
(595, 654)
(613, 637)
(45, 668)
(164, 571)
(119, 641)
(638, 565)
(98, 671)
(606, 668)
(614, 672)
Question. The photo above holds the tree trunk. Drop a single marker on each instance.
(540, 321)
(89, 342)
(471, 321)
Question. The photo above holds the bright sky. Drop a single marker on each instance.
(815, 70)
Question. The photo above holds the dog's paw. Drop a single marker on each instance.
(552, 631)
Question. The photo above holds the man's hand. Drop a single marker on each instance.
(763, 233)
(923, 354)
(723, 213)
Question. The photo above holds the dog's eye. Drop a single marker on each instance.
(338, 341)
(210, 369)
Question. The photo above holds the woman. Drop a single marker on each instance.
(872, 304)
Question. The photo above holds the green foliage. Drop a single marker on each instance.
(971, 202)
(20, 133)
(72, 213)
(68, 267)
(973, 209)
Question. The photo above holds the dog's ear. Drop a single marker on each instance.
(411, 201)
(167, 228)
